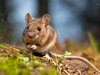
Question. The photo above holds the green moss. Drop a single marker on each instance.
(22, 65)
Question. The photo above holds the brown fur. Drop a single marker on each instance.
(46, 38)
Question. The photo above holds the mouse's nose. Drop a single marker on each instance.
(30, 34)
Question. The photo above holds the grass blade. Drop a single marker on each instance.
(93, 42)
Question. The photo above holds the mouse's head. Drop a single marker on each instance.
(36, 28)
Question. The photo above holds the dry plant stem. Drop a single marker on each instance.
(60, 69)
(53, 62)
(66, 72)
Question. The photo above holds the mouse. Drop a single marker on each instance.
(40, 38)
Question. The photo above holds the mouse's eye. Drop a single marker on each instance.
(38, 28)
(28, 27)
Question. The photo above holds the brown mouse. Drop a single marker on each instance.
(40, 38)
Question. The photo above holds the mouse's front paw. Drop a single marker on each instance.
(47, 57)
(31, 47)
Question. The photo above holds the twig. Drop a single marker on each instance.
(66, 72)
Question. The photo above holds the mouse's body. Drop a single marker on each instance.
(39, 36)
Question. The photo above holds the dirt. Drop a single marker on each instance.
(76, 66)
(71, 66)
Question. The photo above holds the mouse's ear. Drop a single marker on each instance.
(28, 17)
(46, 19)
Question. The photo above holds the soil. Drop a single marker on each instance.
(75, 66)
(71, 66)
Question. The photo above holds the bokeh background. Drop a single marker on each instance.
(72, 19)
(77, 23)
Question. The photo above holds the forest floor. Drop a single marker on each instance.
(18, 61)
